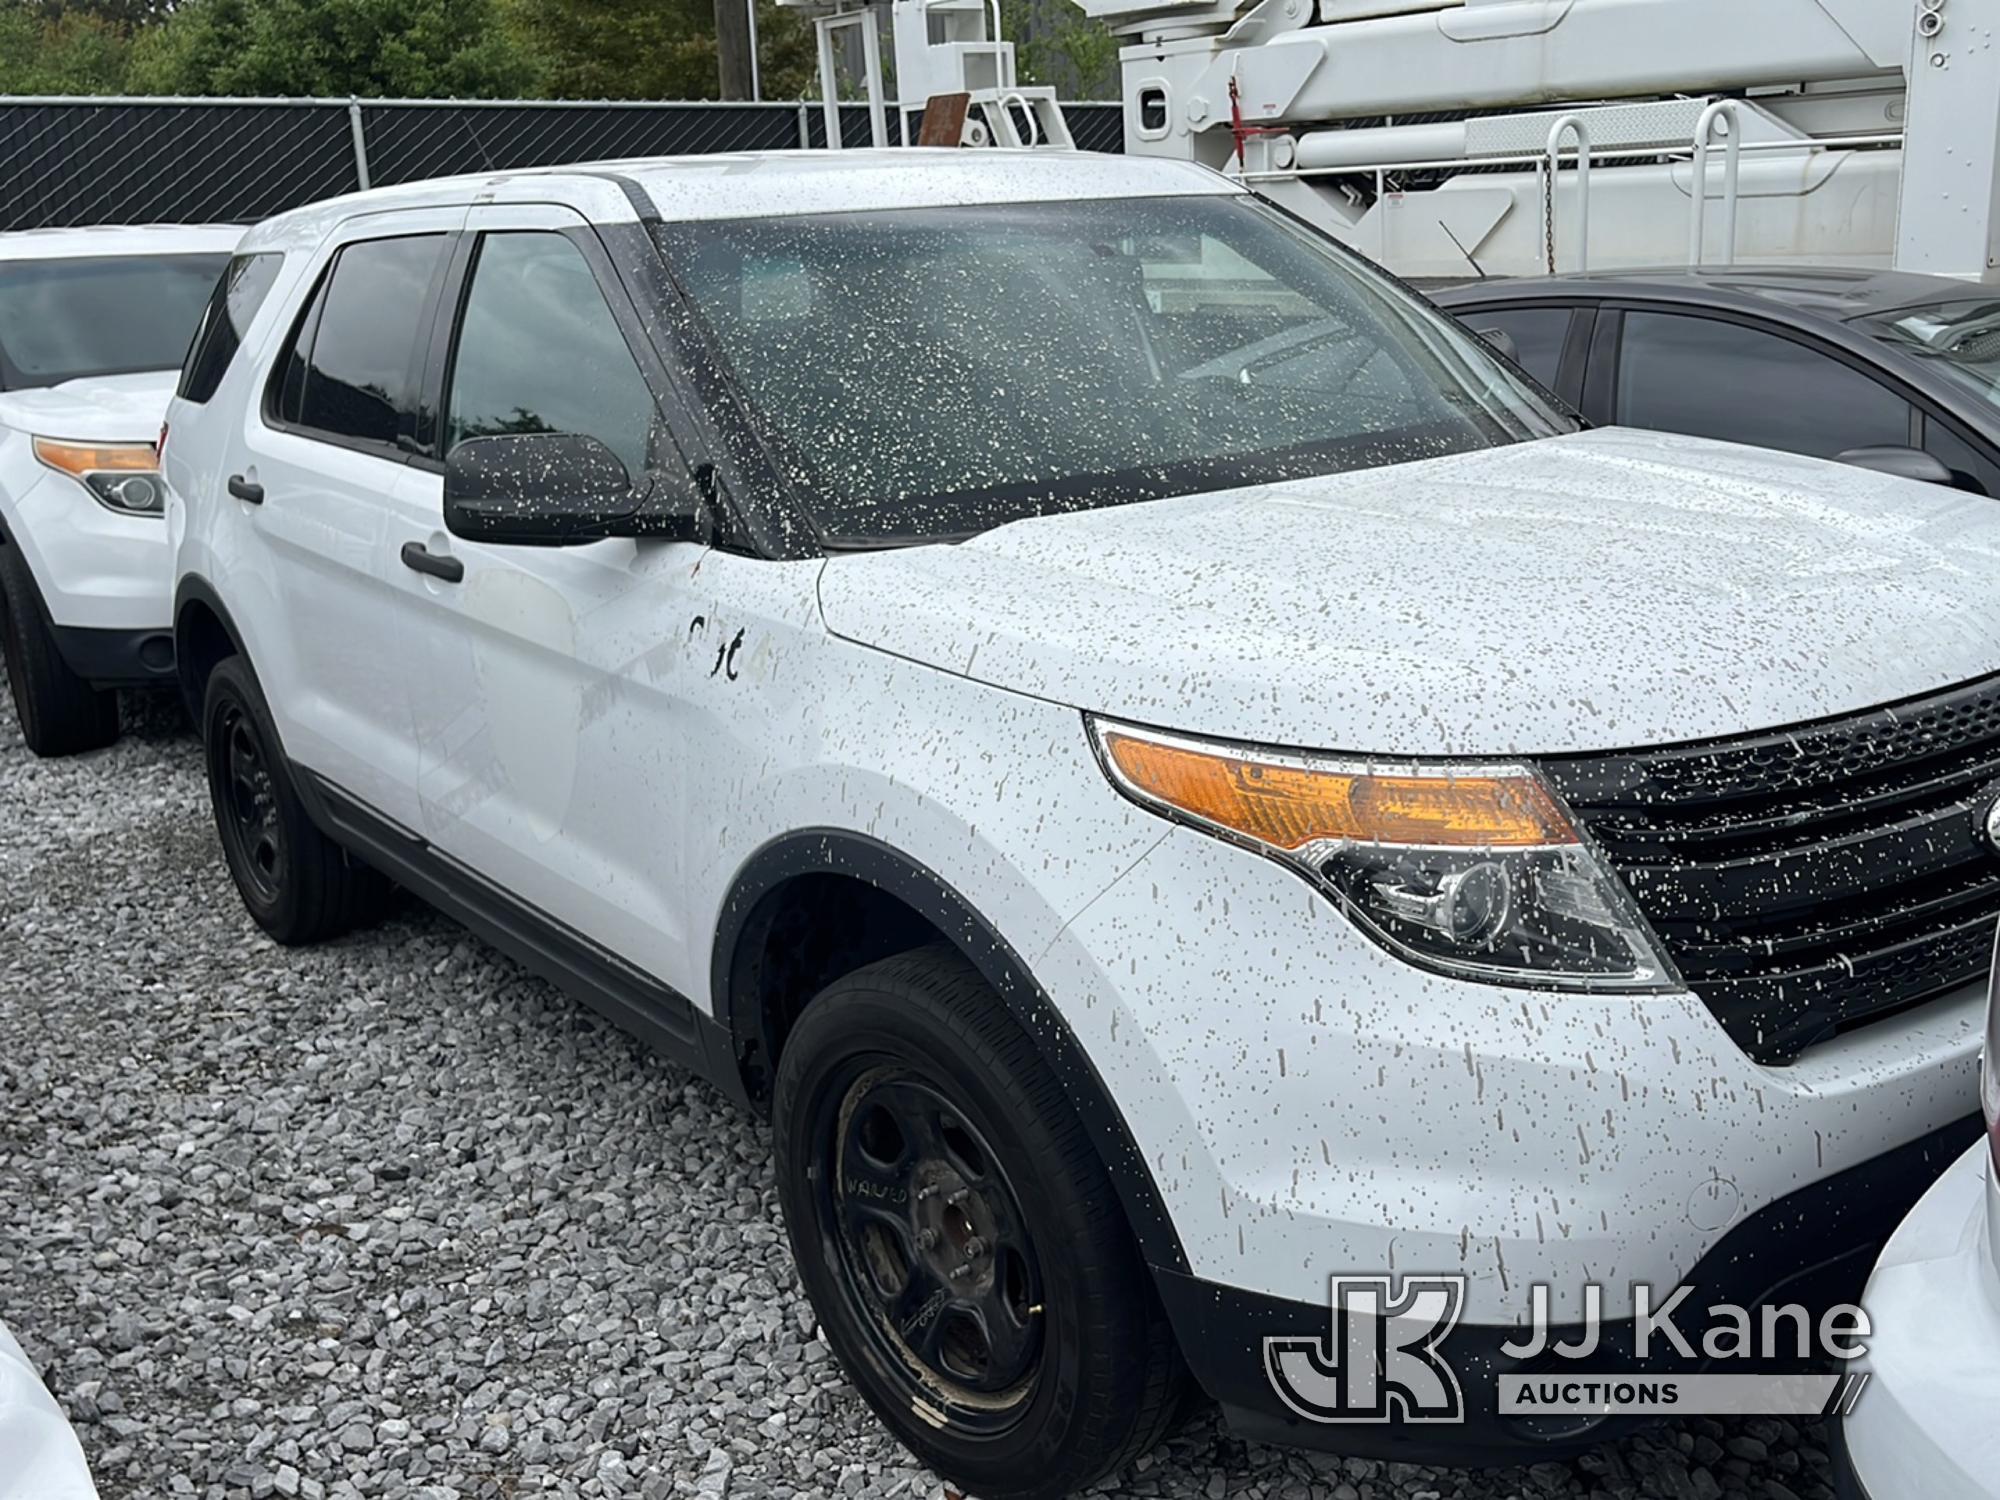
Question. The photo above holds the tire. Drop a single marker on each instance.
(298, 884)
(961, 1240)
(60, 713)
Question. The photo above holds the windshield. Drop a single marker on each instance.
(99, 315)
(1961, 338)
(932, 372)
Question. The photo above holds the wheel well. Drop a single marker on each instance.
(201, 643)
(799, 938)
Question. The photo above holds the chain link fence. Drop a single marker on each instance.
(139, 160)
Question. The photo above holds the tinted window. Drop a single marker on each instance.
(931, 372)
(239, 292)
(103, 315)
(1971, 468)
(538, 351)
(1723, 380)
(1537, 334)
(360, 379)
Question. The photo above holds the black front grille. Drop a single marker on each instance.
(1814, 879)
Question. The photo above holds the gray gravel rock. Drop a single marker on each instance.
(391, 1218)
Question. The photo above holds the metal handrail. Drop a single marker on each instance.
(1704, 131)
(1567, 125)
(1623, 153)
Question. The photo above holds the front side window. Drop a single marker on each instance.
(239, 292)
(1715, 379)
(933, 372)
(353, 372)
(539, 351)
(69, 319)
(1534, 335)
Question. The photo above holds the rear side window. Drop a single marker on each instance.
(353, 369)
(240, 290)
(1715, 379)
(1533, 336)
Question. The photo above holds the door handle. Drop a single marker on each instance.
(244, 490)
(416, 555)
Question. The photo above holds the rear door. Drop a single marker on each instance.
(324, 480)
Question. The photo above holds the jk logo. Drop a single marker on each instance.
(1382, 1363)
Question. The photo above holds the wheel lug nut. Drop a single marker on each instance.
(974, 1248)
(927, 1239)
(962, 1270)
(958, 1197)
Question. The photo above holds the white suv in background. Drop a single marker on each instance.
(94, 323)
(1167, 768)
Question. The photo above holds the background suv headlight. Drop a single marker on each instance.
(1474, 869)
(122, 476)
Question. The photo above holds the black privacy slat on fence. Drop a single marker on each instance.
(63, 164)
(135, 161)
(1096, 127)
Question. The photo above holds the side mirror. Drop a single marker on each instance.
(1501, 342)
(1904, 463)
(554, 489)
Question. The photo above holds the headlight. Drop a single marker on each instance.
(1473, 869)
(123, 476)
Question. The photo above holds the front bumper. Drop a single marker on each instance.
(1813, 1247)
(98, 570)
(1309, 1106)
(117, 658)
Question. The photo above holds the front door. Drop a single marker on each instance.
(549, 715)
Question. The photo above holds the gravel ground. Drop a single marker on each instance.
(392, 1218)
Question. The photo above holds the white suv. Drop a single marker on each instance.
(1169, 769)
(93, 325)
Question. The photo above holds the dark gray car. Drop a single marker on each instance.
(1894, 371)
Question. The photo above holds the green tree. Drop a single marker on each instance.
(384, 48)
(1057, 45)
(654, 49)
(45, 51)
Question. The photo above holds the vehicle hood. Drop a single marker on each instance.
(1599, 591)
(97, 408)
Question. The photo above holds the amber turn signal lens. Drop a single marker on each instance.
(1290, 804)
(80, 459)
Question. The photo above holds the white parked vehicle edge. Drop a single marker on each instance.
(44, 1460)
(1169, 770)
(1923, 1425)
(94, 324)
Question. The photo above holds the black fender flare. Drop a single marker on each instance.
(838, 852)
(194, 589)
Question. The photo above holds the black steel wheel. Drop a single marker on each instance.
(298, 884)
(253, 835)
(960, 1239)
(933, 1248)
